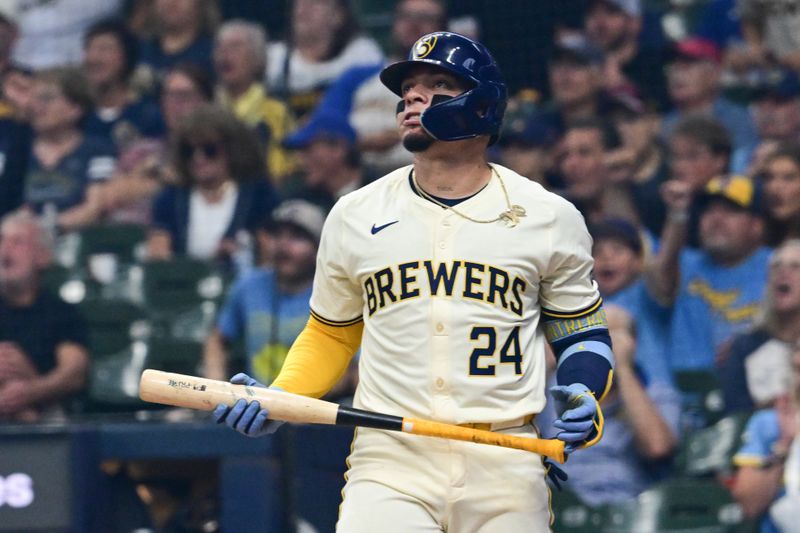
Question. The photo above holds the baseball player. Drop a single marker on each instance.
(450, 274)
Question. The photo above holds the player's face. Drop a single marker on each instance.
(782, 188)
(615, 265)
(294, 254)
(784, 280)
(418, 89)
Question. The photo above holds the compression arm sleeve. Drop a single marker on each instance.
(318, 358)
(582, 347)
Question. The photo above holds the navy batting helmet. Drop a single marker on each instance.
(479, 110)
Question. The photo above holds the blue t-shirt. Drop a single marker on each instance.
(65, 185)
(760, 434)
(714, 303)
(269, 320)
(652, 329)
(138, 119)
(338, 98)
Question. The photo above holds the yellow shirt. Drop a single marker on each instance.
(253, 108)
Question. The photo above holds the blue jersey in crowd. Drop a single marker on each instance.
(138, 119)
(269, 320)
(713, 303)
(760, 434)
(65, 184)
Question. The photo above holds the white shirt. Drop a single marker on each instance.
(304, 75)
(208, 222)
(474, 351)
(51, 33)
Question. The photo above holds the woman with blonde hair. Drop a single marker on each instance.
(755, 370)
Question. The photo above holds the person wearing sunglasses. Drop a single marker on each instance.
(221, 195)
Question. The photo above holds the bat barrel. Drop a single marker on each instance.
(194, 392)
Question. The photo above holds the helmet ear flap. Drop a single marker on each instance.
(467, 115)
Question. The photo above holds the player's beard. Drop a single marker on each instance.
(417, 141)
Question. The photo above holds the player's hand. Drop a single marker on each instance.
(556, 474)
(579, 416)
(246, 418)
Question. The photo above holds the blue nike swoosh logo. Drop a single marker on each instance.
(376, 229)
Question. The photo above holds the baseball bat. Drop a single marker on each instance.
(194, 392)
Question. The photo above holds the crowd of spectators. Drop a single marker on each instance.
(681, 148)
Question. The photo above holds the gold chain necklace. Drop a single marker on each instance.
(510, 216)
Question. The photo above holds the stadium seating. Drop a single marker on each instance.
(677, 506)
(113, 325)
(702, 398)
(709, 451)
(574, 516)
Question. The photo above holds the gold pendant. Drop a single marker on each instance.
(512, 216)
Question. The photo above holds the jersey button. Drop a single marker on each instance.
(442, 245)
(439, 383)
(439, 327)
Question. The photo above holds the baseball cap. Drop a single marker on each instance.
(781, 84)
(321, 126)
(577, 49)
(301, 214)
(631, 8)
(739, 191)
(526, 125)
(696, 49)
(9, 11)
(617, 229)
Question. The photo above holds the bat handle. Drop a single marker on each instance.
(552, 448)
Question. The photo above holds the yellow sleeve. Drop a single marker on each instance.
(318, 358)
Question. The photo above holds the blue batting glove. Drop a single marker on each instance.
(247, 418)
(556, 474)
(579, 416)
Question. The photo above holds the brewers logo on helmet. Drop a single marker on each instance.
(479, 110)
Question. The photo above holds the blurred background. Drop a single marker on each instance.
(166, 167)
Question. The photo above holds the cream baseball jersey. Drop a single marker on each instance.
(452, 307)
